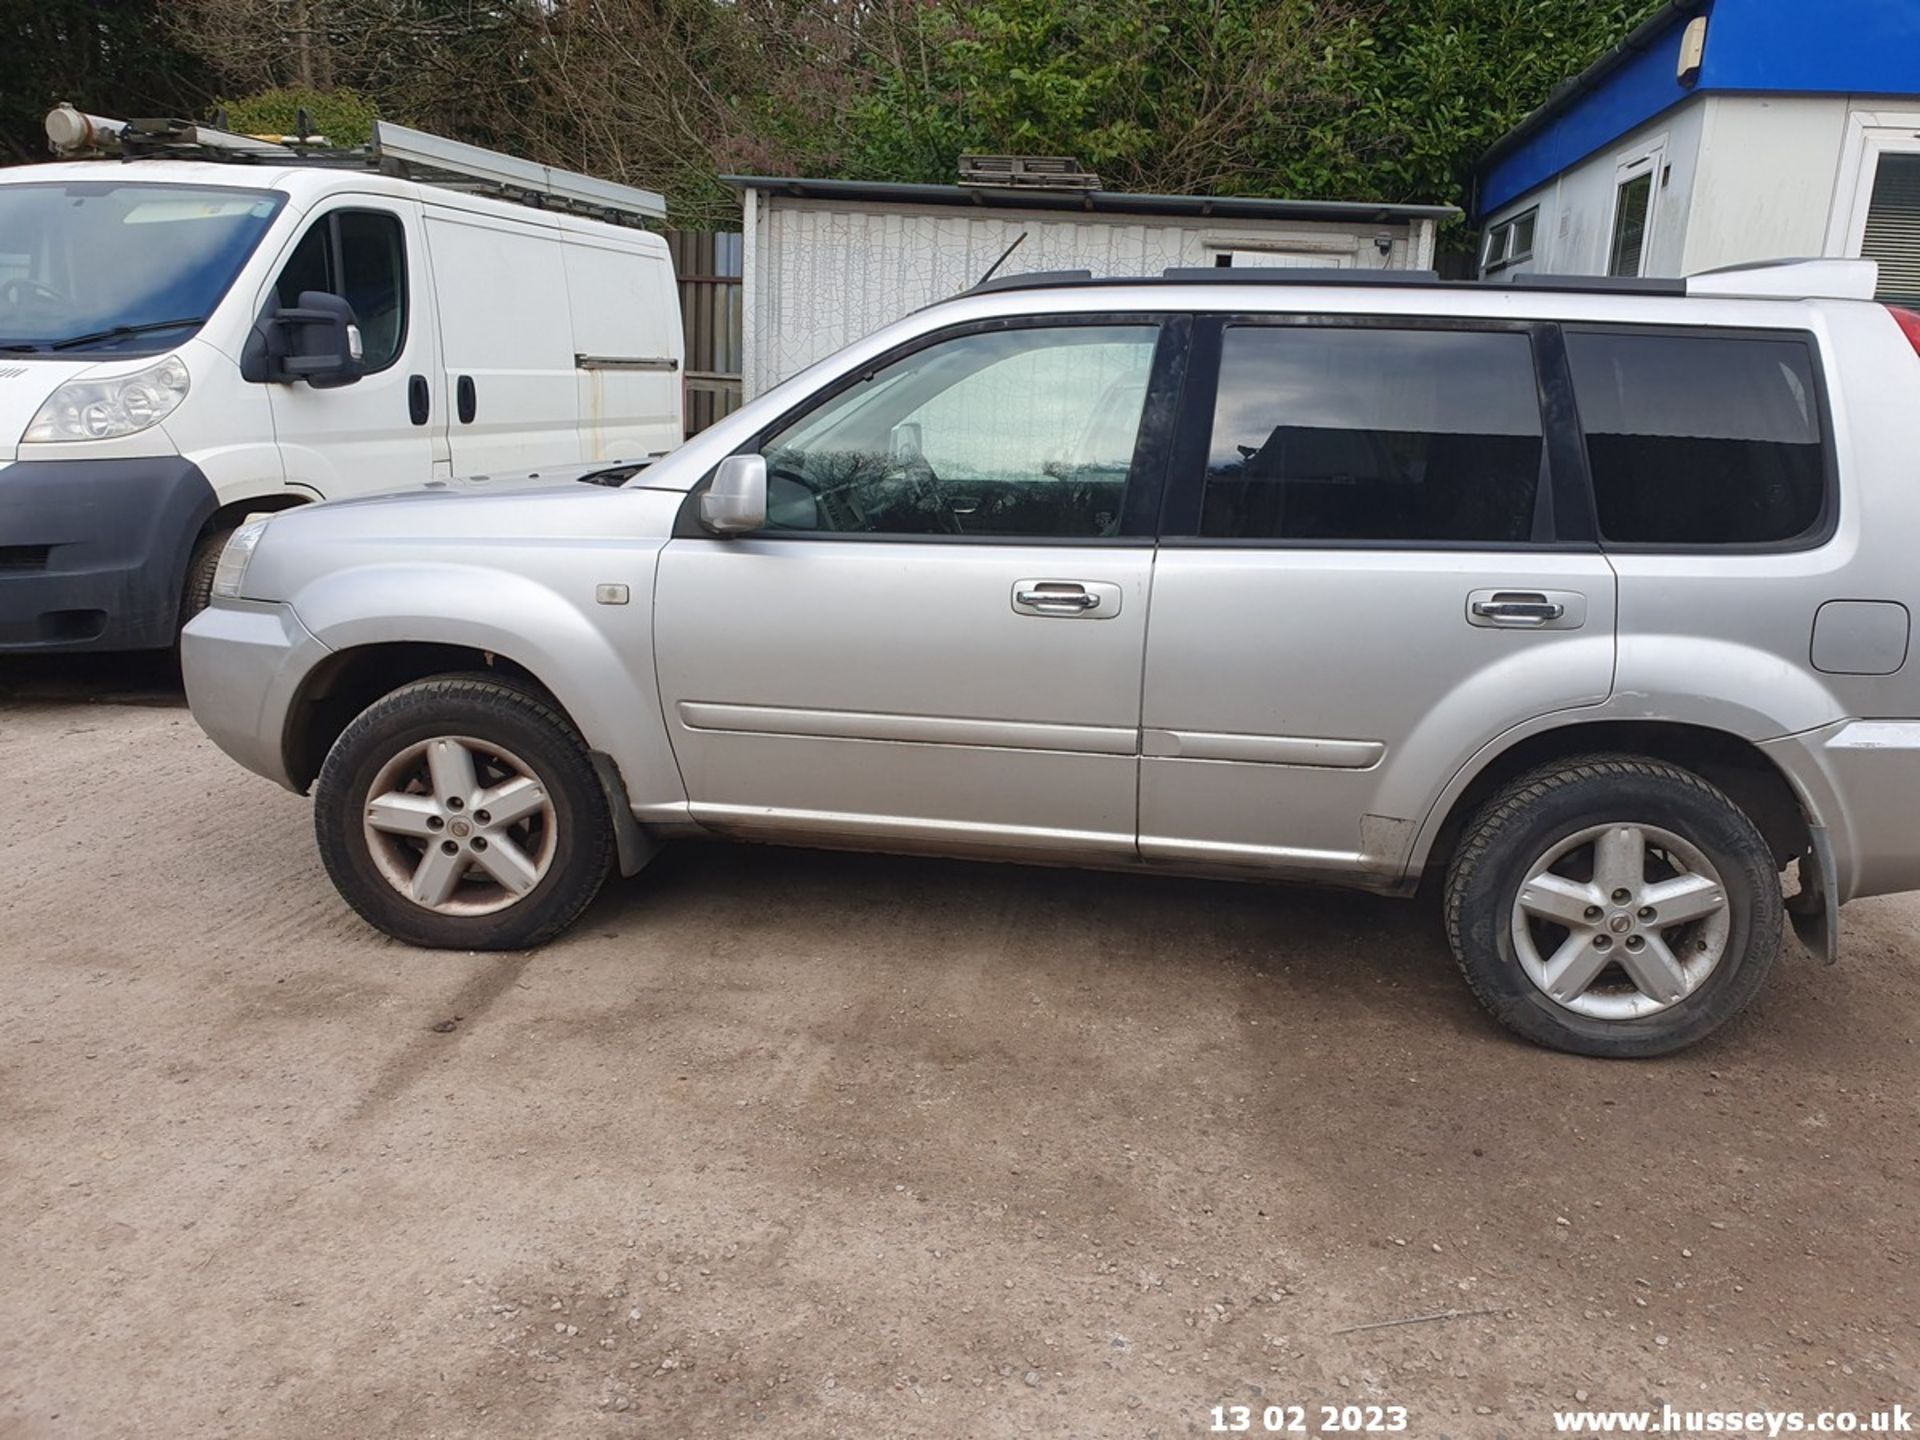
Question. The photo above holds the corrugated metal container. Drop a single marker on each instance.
(828, 262)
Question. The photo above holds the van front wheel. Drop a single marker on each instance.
(1613, 906)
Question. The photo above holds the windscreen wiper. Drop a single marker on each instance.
(115, 332)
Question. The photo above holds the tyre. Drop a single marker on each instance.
(197, 593)
(462, 812)
(1613, 906)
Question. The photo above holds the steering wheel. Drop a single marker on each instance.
(15, 288)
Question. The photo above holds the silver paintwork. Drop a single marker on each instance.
(1278, 713)
(1624, 946)
(453, 836)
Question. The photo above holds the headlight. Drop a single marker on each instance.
(108, 409)
(231, 571)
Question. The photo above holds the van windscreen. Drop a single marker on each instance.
(117, 266)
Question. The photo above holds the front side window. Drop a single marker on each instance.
(361, 256)
(1373, 434)
(1700, 439)
(1013, 433)
(120, 267)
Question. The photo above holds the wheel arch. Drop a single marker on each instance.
(1740, 768)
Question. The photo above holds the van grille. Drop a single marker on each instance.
(24, 557)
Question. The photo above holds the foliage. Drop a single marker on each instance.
(105, 57)
(1334, 99)
(343, 116)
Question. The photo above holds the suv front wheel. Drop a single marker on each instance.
(1613, 906)
(463, 812)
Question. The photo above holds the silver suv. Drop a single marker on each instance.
(1583, 604)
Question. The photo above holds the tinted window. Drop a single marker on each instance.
(361, 256)
(1700, 440)
(1373, 434)
(1014, 433)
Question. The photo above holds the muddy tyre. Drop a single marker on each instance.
(1613, 906)
(463, 812)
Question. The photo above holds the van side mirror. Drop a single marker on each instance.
(317, 341)
(737, 500)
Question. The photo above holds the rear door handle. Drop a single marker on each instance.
(1067, 599)
(1527, 609)
(464, 400)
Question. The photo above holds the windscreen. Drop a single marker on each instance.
(120, 266)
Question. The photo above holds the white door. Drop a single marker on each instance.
(1878, 212)
(386, 431)
(937, 639)
(629, 346)
(507, 339)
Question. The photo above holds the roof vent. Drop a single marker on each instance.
(1027, 172)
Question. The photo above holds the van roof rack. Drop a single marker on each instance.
(396, 150)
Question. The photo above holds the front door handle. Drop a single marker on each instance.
(1075, 599)
(1056, 600)
(419, 400)
(1527, 609)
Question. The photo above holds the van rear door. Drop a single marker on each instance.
(627, 340)
(506, 338)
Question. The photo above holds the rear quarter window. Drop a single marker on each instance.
(1701, 440)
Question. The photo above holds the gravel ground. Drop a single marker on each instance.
(791, 1144)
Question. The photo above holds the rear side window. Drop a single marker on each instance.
(1700, 439)
(1373, 434)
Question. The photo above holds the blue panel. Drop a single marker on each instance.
(1859, 47)
(1840, 47)
(1632, 95)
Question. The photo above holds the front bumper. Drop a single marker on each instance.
(243, 661)
(93, 553)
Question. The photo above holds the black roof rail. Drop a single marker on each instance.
(1033, 280)
(1315, 276)
(1296, 275)
(1617, 284)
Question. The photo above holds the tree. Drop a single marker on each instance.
(109, 58)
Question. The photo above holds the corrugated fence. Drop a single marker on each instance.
(708, 264)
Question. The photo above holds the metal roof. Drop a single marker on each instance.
(1107, 202)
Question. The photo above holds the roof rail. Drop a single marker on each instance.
(396, 150)
(1315, 276)
(1812, 279)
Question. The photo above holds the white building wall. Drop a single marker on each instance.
(1767, 171)
(1575, 226)
(1750, 177)
(821, 274)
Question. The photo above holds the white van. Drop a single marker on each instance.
(186, 341)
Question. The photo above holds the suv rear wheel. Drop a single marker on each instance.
(462, 812)
(1613, 906)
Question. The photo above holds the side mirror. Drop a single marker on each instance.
(737, 500)
(317, 341)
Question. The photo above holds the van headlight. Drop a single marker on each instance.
(108, 409)
(230, 573)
